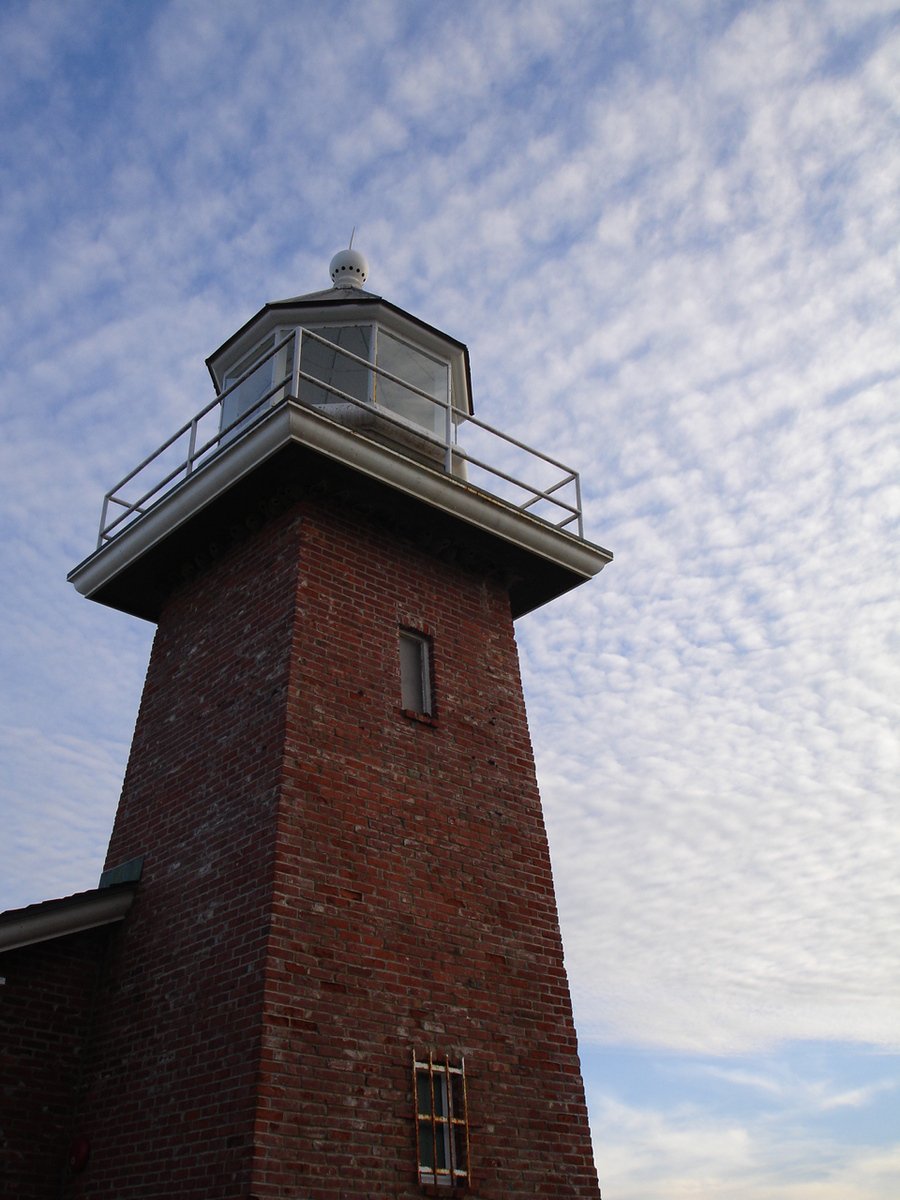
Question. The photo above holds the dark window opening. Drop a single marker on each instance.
(415, 673)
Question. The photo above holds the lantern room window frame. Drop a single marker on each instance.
(264, 372)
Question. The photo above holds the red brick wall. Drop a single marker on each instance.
(329, 885)
(171, 1109)
(45, 1017)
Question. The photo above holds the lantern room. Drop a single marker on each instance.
(341, 389)
(354, 357)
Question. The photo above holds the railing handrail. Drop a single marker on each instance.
(460, 453)
(192, 423)
(288, 388)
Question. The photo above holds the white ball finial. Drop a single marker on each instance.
(349, 269)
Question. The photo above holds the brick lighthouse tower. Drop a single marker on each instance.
(341, 977)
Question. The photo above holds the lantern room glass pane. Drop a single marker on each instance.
(335, 370)
(425, 373)
(264, 386)
(251, 391)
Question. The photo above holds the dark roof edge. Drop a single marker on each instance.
(59, 918)
(323, 299)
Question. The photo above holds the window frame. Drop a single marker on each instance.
(449, 1128)
(416, 681)
(280, 368)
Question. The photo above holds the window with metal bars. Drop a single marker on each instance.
(442, 1124)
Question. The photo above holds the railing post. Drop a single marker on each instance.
(192, 446)
(578, 504)
(104, 511)
(295, 364)
(448, 438)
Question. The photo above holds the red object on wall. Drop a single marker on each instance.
(79, 1153)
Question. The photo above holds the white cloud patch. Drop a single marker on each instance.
(796, 1093)
(651, 1154)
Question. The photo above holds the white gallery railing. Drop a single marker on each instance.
(491, 461)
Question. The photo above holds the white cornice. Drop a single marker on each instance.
(292, 422)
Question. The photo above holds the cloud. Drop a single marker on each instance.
(75, 816)
(646, 1154)
(796, 1093)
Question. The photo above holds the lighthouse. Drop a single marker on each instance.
(340, 973)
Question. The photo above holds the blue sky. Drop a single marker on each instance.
(668, 232)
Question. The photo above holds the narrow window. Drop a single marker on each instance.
(415, 673)
(442, 1126)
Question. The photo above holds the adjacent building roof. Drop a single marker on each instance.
(70, 914)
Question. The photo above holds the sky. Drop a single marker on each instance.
(668, 233)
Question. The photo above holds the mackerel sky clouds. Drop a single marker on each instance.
(668, 232)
